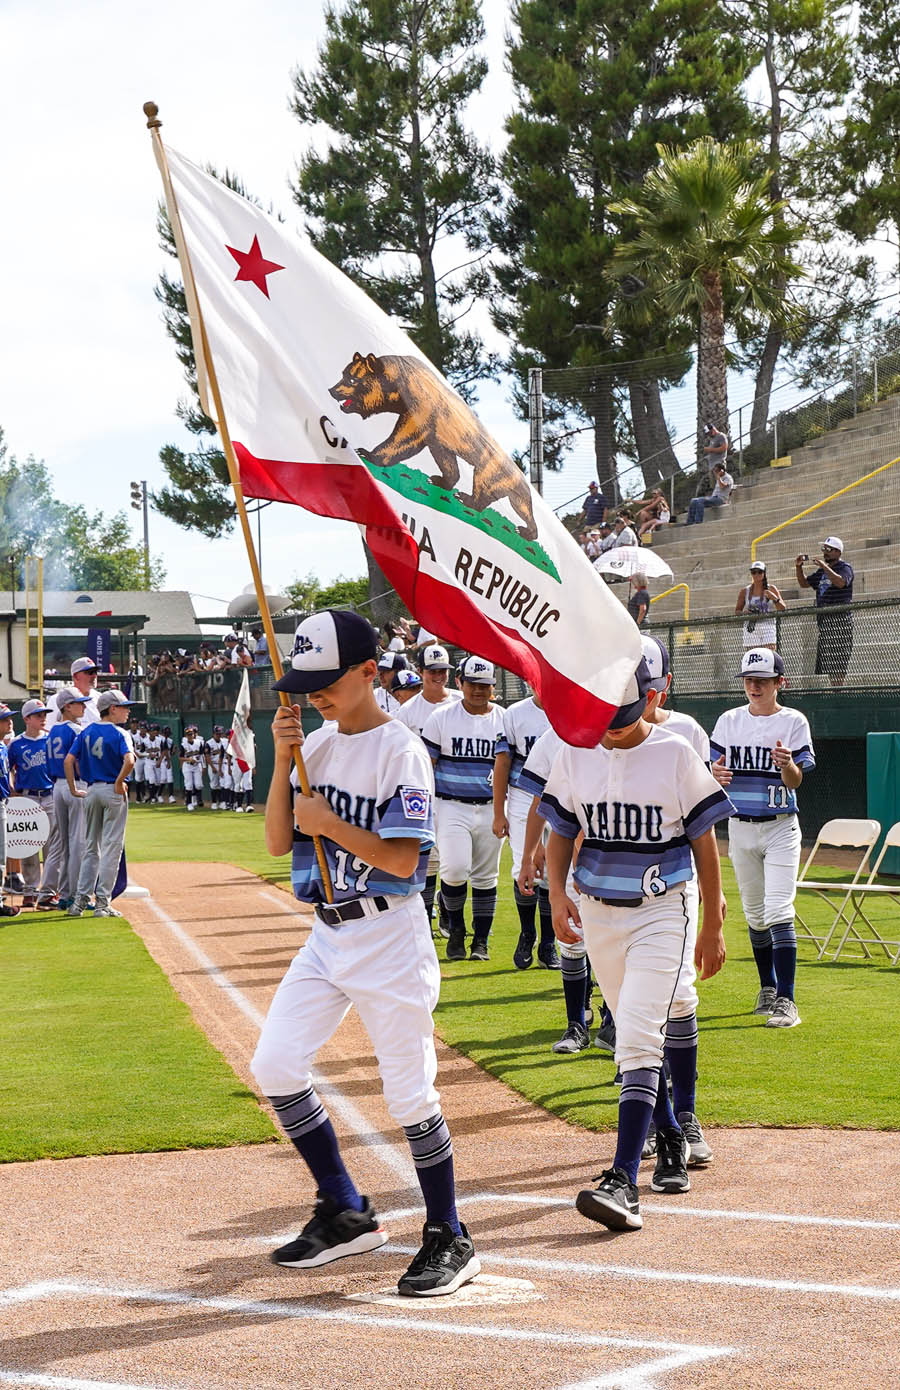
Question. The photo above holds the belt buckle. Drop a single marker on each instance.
(329, 914)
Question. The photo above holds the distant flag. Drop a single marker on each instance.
(243, 744)
(121, 878)
(332, 407)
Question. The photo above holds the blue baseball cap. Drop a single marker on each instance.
(634, 699)
(326, 645)
(406, 680)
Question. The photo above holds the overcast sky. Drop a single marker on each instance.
(88, 378)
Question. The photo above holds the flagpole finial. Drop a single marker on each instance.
(151, 111)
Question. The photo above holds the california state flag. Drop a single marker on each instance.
(243, 744)
(331, 406)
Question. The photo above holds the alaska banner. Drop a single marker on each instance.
(333, 408)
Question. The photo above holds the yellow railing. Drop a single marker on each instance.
(674, 589)
(815, 507)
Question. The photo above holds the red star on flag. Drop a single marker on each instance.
(254, 266)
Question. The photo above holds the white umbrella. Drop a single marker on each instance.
(626, 560)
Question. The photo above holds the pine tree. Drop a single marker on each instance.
(398, 197)
(600, 83)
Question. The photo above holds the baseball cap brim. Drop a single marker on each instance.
(295, 682)
(629, 714)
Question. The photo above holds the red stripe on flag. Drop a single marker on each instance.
(350, 493)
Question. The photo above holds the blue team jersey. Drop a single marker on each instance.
(746, 741)
(379, 780)
(638, 808)
(100, 749)
(59, 740)
(28, 758)
(5, 788)
(462, 747)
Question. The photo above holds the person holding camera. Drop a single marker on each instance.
(833, 584)
(759, 599)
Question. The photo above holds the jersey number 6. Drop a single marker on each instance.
(653, 885)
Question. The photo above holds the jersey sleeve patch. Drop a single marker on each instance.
(415, 802)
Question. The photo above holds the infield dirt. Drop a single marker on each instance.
(152, 1269)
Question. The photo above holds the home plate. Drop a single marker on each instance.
(485, 1289)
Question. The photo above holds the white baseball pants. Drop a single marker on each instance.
(214, 778)
(243, 781)
(192, 777)
(642, 957)
(468, 848)
(151, 774)
(387, 968)
(766, 860)
(139, 773)
(518, 804)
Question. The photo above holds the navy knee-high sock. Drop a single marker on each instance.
(526, 906)
(453, 896)
(305, 1121)
(432, 1153)
(761, 942)
(681, 1055)
(428, 895)
(605, 1014)
(663, 1114)
(784, 957)
(574, 973)
(636, 1101)
(546, 916)
(484, 905)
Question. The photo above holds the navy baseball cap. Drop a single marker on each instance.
(406, 680)
(762, 661)
(326, 645)
(634, 698)
(393, 661)
(656, 655)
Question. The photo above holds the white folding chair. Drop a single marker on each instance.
(857, 896)
(836, 834)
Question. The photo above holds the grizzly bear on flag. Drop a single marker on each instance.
(432, 417)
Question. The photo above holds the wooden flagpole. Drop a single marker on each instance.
(151, 111)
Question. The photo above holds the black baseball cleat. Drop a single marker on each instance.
(479, 949)
(445, 1262)
(523, 955)
(613, 1202)
(7, 911)
(672, 1151)
(605, 1038)
(548, 955)
(331, 1234)
(456, 946)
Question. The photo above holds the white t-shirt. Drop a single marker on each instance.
(462, 746)
(380, 780)
(688, 728)
(523, 724)
(626, 537)
(385, 700)
(417, 711)
(724, 487)
(91, 713)
(747, 740)
(639, 809)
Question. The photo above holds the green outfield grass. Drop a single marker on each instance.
(97, 1053)
(838, 1068)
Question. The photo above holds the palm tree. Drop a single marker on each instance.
(709, 244)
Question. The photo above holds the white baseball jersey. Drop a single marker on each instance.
(417, 711)
(689, 729)
(639, 809)
(746, 742)
(537, 766)
(193, 749)
(523, 724)
(380, 780)
(462, 746)
(385, 700)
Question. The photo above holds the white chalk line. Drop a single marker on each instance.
(283, 901)
(666, 1208)
(67, 1382)
(306, 1311)
(601, 1270)
(397, 1161)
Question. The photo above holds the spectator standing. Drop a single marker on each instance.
(261, 650)
(6, 718)
(624, 535)
(595, 505)
(230, 641)
(720, 496)
(607, 539)
(833, 583)
(639, 602)
(29, 763)
(715, 446)
(243, 656)
(758, 600)
(103, 755)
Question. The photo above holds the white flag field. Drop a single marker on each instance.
(332, 407)
(241, 740)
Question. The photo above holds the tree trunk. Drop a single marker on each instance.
(651, 433)
(380, 592)
(712, 384)
(605, 435)
(765, 373)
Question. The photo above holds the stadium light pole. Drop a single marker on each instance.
(140, 503)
